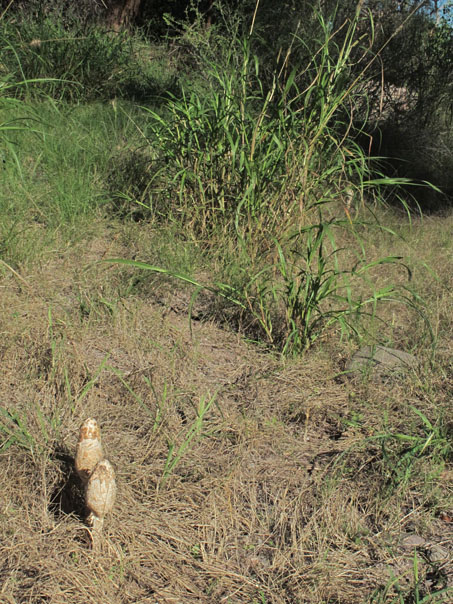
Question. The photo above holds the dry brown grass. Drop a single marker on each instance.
(285, 496)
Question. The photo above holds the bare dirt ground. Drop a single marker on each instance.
(286, 491)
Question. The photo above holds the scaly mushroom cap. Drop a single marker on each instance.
(100, 493)
(89, 449)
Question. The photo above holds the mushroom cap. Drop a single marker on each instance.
(89, 429)
(101, 489)
(89, 449)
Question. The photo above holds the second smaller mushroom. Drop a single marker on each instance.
(100, 493)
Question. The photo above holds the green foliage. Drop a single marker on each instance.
(15, 431)
(237, 153)
(396, 592)
(34, 431)
(402, 452)
(194, 431)
(245, 158)
(76, 62)
(291, 303)
(271, 167)
(312, 292)
(56, 162)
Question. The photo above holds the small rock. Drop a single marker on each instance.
(411, 541)
(437, 553)
(380, 360)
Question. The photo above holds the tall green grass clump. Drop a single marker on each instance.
(54, 159)
(76, 60)
(252, 153)
(272, 168)
(57, 158)
(54, 153)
